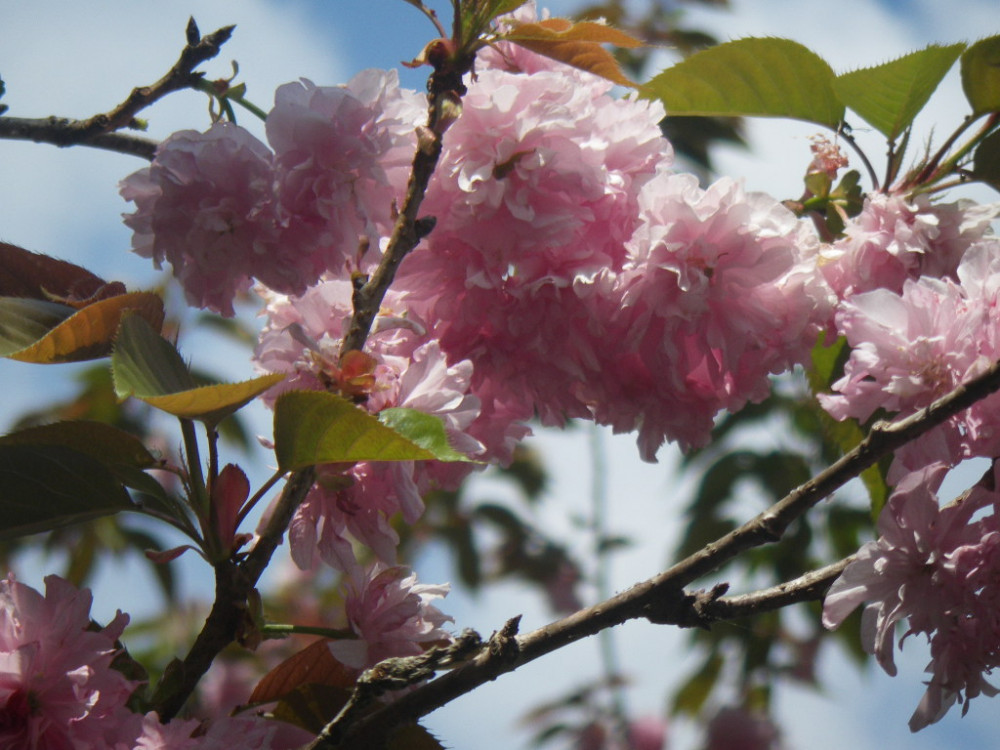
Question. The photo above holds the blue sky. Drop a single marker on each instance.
(68, 58)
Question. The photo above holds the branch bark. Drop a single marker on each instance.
(229, 618)
(664, 599)
(99, 131)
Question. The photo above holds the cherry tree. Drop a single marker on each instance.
(438, 270)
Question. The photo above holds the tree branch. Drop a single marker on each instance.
(662, 599)
(229, 618)
(443, 105)
(99, 131)
(53, 130)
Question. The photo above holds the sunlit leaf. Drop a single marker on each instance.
(751, 77)
(424, 430)
(981, 75)
(577, 44)
(890, 95)
(315, 427)
(148, 367)
(43, 487)
(87, 333)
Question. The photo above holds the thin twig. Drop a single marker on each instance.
(53, 130)
(99, 131)
(445, 90)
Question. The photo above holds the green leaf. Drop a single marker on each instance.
(48, 486)
(103, 442)
(422, 429)
(25, 321)
(315, 427)
(986, 162)
(981, 75)
(477, 15)
(751, 77)
(148, 367)
(695, 691)
(890, 95)
(146, 364)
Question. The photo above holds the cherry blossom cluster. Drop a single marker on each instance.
(571, 273)
(914, 346)
(60, 689)
(936, 569)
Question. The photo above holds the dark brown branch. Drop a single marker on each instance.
(53, 130)
(99, 131)
(443, 105)
(884, 438)
(229, 618)
(662, 599)
(805, 588)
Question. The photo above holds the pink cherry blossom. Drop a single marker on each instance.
(937, 569)
(223, 210)
(392, 615)
(206, 206)
(57, 688)
(536, 192)
(911, 348)
(735, 728)
(223, 733)
(718, 294)
(342, 157)
(403, 367)
(895, 238)
(647, 733)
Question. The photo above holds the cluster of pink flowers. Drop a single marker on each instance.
(402, 366)
(391, 614)
(57, 687)
(224, 209)
(896, 238)
(571, 273)
(60, 691)
(719, 292)
(938, 569)
(912, 347)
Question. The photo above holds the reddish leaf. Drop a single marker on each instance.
(86, 334)
(27, 274)
(576, 44)
(313, 665)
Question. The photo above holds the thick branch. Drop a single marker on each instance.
(99, 131)
(662, 599)
(229, 618)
